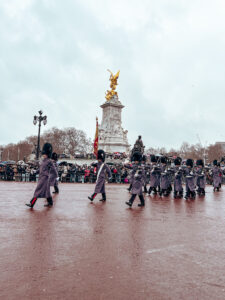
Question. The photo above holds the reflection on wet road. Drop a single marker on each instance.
(171, 249)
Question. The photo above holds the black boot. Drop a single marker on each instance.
(175, 194)
(130, 187)
(32, 202)
(187, 195)
(150, 190)
(142, 201)
(130, 202)
(181, 194)
(145, 189)
(92, 197)
(56, 191)
(193, 194)
(50, 202)
(155, 191)
(103, 197)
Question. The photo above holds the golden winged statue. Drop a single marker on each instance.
(113, 84)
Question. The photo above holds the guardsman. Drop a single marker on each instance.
(165, 184)
(178, 174)
(138, 181)
(102, 170)
(154, 176)
(46, 168)
(53, 176)
(216, 172)
(200, 177)
(190, 180)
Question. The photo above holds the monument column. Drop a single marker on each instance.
(112, 137)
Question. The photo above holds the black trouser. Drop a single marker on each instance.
(189, 193)
(201, 191)
(140, 197)
(130, 187)
(152, 189)
(56, 188)
(145, 189)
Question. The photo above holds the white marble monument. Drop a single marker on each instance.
(112, 137)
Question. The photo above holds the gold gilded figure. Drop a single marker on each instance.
(113, 84)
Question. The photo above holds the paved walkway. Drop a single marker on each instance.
(171, 249)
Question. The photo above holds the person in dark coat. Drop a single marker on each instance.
(154, 176)
(102, 170)
(200, 177)
(216, 172)
(178, 188)
(145, 168)
(54, 177)
(190, 180)
(138, 181)
(165, 184)
(46, 168)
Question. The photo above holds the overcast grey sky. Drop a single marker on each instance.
(171, 55)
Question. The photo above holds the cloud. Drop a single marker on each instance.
(54, 56)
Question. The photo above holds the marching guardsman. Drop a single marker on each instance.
(216, 172)
(102, 170)
(190, 179)
(46, 168)
(165, 184)
(53, 176)
(144, 167)
(138, 180)
(200, 177)
(154, 176)
(178, 174)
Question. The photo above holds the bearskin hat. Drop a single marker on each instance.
(55, 156)
(177, 161)
(47, 149)
(163, 160)
(189, 162)
(101, 155)
(200, 162)
(215, 163)
(153, 158)
(137, 156)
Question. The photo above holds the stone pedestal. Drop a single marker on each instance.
(112, 137)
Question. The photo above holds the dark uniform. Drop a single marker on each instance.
(53, 176)
(154, 176)
(217, 175)
(144, 168)
(190, 180)
(165, 178)
(200, 182)
(102, 169)
(178, 174)
(43, 187)
(138, 181)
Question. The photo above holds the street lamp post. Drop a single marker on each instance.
(39, 119)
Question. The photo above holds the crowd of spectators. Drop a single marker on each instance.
(67, 173)
(74, 173)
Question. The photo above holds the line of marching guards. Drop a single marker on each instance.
(164, 174)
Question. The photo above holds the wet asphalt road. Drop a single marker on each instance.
(171, 249)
